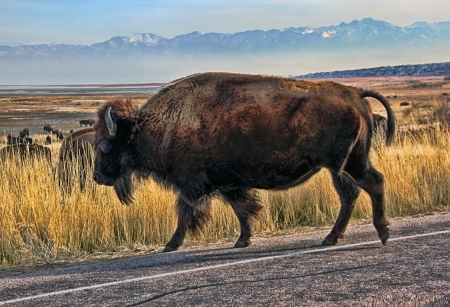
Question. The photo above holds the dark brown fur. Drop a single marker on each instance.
(226, 134)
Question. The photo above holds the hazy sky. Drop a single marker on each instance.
(90, 21)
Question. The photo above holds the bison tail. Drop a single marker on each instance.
(390, 113)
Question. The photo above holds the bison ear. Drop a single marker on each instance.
(110, 123)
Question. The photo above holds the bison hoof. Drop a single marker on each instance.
(240, 244)
(167, 249)
(327, 242)
(384, 237)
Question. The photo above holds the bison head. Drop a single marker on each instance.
(114, 160)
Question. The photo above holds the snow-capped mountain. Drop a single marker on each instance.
(291, 51)
(366, 33)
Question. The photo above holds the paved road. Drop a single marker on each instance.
(291, 270)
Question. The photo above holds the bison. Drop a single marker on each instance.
(87, 122)
(379, 123)
(48, 140)
(48, 128)
(12, 140)
(27, 140)
(76, 155)
(27, 151)
(226, 134)
(59, 134)
(24, 133)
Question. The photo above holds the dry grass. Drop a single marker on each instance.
(41, 222)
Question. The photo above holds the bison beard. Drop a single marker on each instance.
(123, 186)
(226, 134)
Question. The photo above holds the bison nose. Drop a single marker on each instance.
(102, 179)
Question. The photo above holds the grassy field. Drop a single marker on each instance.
(41, 223)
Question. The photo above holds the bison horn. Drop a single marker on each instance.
(112, 127)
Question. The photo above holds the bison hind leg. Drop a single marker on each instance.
(246, 208)
(348, 193)
(373, 184)
(372, 181)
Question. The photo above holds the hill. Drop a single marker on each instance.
(431, 69)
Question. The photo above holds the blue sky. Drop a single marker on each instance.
(92, 21)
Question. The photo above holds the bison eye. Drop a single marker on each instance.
(105, 147)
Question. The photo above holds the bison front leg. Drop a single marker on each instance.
(192, 215)
(348, 193)
(245, 207)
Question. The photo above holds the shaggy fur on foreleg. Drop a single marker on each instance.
(246, 208)
(191, 218)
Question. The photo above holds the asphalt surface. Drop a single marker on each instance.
(413, 269)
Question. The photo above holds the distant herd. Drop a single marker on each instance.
(26, 147)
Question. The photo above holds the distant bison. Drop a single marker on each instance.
(404, 104)
(59, 134)
(226, 134)
(26, 151)
(87, 122)
(11, 140)
(48, 139)
(379, 123)
(48, 128)
(24, 133)
(27, 140)
(76, 156)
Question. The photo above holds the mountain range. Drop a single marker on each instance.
(147, 57)
(361, 35)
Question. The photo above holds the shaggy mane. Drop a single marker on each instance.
(118, 105)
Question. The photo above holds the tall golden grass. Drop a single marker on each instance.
(39, 221)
